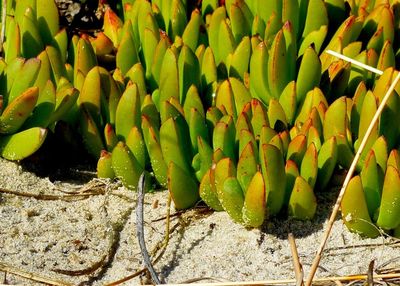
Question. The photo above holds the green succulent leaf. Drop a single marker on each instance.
(302, 203)
(390, 202)
(14, 147)
(355, 211)
(254, 207)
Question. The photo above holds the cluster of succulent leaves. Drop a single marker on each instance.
(234, 103)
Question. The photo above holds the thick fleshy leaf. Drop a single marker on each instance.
(317, 16)
(394, 159)
(224, 137)
(309, 74)
(309, 165)
(174, 144)
(136, 145)
(128, 112)
(104, 166)
(232, 198)
(314, 98)
(259, 118)
(259, 86)
(203, 158)
(182, 187)
(90, 133)
(190, 35)
(60, 70)
(12, 48)
(276, 115)
(297, 148)
(188, 71)
(193, 100)
(327, 158)
(208, 75)
(278, 62)
(372, 181)
(125, 166)
(32, 43)
(315, 38)
(240, 93)
(156, 67)
(15, 114)
(239, 65)
(368, 110)
(169, 76)
(336, 121)
(126, 55)
(110, 137)
(197, 128)
(389, 210)
(44, 107)
(302, 203)
(254, 208)
(247, 165)
(65, 100)
(84, 58)
(246, 136)
(292, 172)
(288, 102)
(208, 192)
(152, 141)
(91, 93)
(47, 19)
(24, 78)
(273, 170)
(380, 148)
(136, 74)
(213, 116)
(15, 147)
(112, 26)
(224, 169)
(355, 211)
(348, 32)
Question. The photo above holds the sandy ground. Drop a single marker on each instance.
(90, 239)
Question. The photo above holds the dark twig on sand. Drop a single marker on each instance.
(85, 271)
(140, 231)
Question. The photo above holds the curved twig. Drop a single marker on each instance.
(140, 231)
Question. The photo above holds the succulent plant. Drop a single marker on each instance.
(236, 103)
(35, 91)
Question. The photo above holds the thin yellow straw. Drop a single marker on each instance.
(343, 57)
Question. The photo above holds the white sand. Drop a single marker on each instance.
(98, 232)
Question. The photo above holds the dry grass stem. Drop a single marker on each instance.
(44, 197)
(298, 270)
(350, 60)
(316, 281)
(370, 279)
(32, 276)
